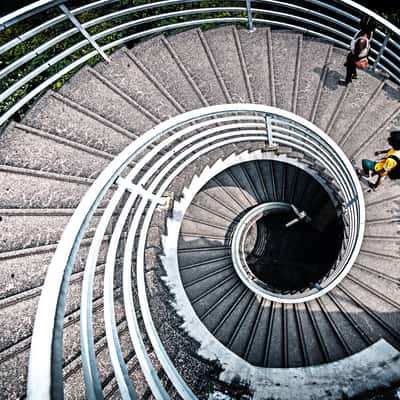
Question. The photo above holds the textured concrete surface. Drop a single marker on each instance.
(20, 148)
(48, 162)
(55, 116)
(285, 60)
(255, 49)
(332, 92)
(127, 74)
(199, 62)
(225, 52)
(314, 55)
(359, 94)
(92, 91)
(27, 191)
(155, 56)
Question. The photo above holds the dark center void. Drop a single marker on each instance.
(296, 257)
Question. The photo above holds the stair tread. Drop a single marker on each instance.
(86, 89)
(313, 56)
(223, 47)
(284, 59)
(52, 115)
(332, 91)
(358, 95)
(191, 52)
(126, 75)
(20, 148)
(255, 50)
(377, 113)
(156, 57)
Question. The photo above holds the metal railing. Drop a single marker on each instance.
(334, 20)
(159, 156)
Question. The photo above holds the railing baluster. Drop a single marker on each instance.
(381, 51)
(82, 30)
(249, 16)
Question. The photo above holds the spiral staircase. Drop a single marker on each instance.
(224, 328)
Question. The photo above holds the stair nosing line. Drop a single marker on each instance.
(124, 96)
(337, 109)
(184, 70)
(35, 291)
(29, 251)
(271, 67)
(67, 142)
(296, 82)
(154, 81)
(46, 175)
(38, 212)
(321, 85)
(214, 65)
(361, 114)
(374, 253)
(94, 116)
(243, 64)
(382, 127)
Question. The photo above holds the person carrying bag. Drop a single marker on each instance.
(359, 49)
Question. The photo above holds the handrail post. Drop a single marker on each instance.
(381, 51)
(133, 188)
(249, 16)
(268, 125)
(83, 31)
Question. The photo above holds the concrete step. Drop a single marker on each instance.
(96, 93)
(329, 342)
(378, 319)
(24, 232)
(353, 105)
(227, 320)
(312, 347)
(371, 132)
(231, 190)
(315, 55)
(32, 149)
(258, 185)
(156, 56)
(386, 229)
(332, 92)
(72, 363)
(256, 53)
(18, 313)
(342, 314)
(129, 74)
(243, 180)
(59, 116)
(286, 47)
(273, 356)
(226, 50)
(195, 54)
(379, 266)
(21, 190)
(26, 273)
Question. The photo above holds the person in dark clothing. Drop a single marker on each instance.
(359, 49)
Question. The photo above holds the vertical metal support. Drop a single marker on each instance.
(346, 206)
(83, 31)
(131, 187)
(249, 16)
(381, 51)
(268, 125)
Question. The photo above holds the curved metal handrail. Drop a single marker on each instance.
(338, 24)
(185, 137)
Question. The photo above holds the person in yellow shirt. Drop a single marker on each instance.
(389, 165)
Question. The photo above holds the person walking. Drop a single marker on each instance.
(359, 49)
(389, 165)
